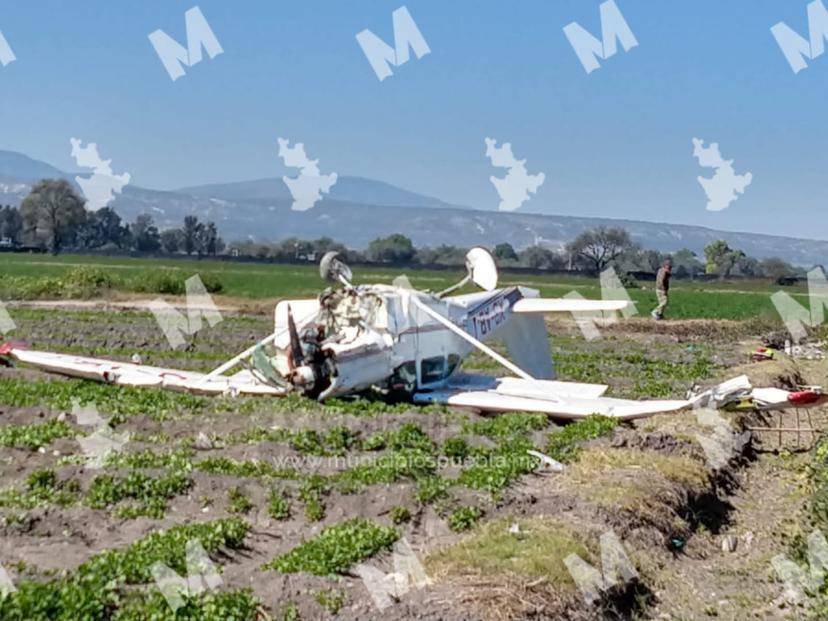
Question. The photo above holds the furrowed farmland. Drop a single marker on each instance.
(136, 504)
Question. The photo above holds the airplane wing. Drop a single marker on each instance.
(566, 305)
(778, 399)
(561, 400)
(130, 374)
(738, 394)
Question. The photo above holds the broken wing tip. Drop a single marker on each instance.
(9, 346)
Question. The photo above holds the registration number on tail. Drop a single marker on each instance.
(487, 319)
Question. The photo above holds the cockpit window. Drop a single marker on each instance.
(438, 368)
(433, 369)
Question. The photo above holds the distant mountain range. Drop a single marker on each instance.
(347, 189)
(358, 210)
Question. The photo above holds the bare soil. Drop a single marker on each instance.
(676, 542)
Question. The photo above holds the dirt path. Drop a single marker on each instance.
(118, 304)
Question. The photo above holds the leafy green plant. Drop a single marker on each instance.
(509, 425)
(410, 436)
(495, 469)
(400, 514)
(431, 488)
(456, 448)
(239, 605)
(120, 402)
(375, 442)
(331, 600)
(34, 436)
(289, 612)
(336, 548)
(278, 505)
(89, 277)
(175, 459)
(464, 518)
(338, 440)
(92, 592)
(252, 468)
(42, 489)
(82, 281)
(311, 491)
(563, 445)
(172, 282)
(44, 479)
(314, 509)
(150, 493)
(238, 501)
(402, 463)
(307, 442)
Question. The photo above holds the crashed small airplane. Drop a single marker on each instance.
(399, 340)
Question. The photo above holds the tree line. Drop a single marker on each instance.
(53, 216)
(592, 251)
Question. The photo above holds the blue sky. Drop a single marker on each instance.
(613, 143)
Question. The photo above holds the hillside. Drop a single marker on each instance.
(359, 210)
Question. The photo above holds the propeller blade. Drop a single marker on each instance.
(295, 346)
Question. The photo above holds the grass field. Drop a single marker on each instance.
(702, 300)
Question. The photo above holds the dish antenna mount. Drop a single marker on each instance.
(481, 268)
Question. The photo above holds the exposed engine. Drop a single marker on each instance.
(327, 354)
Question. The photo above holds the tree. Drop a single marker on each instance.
(302, 249)
(206, 239)
(393, 249)
(11, 224)
(720, 258)
(172, 240)
(686, 263)
(113, 231)
(777, 269)
(145, 234)
(54, 211)
(326, 244)
(443, 255)
(599, 247)
(103, 227)
(650, 260)
(540, 258)
(191, 232)
(211, 239)
(201, 240)
(747, 266)
(505, 252)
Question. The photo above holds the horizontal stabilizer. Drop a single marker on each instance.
(565, 305)
(560, 400)
(519, 387)
(571, 408)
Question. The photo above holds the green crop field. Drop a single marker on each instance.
(288, 497)
(743, 299)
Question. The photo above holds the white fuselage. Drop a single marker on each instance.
(393, 339)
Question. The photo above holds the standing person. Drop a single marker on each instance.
(662, 288)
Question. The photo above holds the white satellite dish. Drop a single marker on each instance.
(482, 268)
